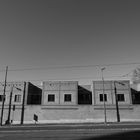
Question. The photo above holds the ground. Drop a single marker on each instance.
(118, 131)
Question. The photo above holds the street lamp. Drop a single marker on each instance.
(102, 69)
(116, 98)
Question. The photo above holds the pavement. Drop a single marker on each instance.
(120, 125)
(84, 131)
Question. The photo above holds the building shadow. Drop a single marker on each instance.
(135, 96)
(129, 135)
(84, 96)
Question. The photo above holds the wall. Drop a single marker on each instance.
(59, 89)
(58, 112)
(80, 113)
(109, 91)
(61, 112)
(18, 88)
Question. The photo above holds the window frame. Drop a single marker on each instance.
(67, 97)
(17, 98)
(1, 98)
(120, 97)
(51, 97)
(101, 97)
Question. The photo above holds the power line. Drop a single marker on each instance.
(75, 78)
(70, 67)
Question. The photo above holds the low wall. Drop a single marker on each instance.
(73, 114)
(80, 113)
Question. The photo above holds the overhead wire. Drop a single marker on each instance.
(70, 67)
(77, 66)
(74, 78)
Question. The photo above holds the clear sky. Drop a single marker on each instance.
(59, 33)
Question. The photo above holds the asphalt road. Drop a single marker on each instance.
(71, 132)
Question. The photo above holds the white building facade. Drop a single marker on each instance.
(13, 100)
(66, 101)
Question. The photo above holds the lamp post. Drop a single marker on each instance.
(116, 98)
(102, 69)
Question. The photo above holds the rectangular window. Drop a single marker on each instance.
(67, 98)
(120, 97)
(101, 97)
(17, 98)
(1, 98)
(51, 98)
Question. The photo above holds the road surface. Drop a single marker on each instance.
(71, 132)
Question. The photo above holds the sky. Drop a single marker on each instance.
(52, 39)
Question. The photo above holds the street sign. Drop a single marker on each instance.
(35, 117)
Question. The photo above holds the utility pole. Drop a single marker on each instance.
(9, 111)
(104, 96)
(116, 98)
(3, 99)
(22, 110)
(117, 106)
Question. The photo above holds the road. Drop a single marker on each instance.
(71, 132)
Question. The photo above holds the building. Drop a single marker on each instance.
(60, 93)
(67, 101)
(123, 91)
(18, 96)
(105, 90)
(63, 101)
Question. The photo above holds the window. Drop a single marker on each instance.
(101, 97)
(51, 98)
(120, 97)
(1, 98)
(17, 98)
(67, 98)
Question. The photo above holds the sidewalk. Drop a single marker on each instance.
(75, 125)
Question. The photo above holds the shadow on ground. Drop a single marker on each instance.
(131, 135)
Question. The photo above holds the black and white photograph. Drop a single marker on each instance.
(69, 69)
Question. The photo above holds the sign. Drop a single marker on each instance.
(35, 117)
